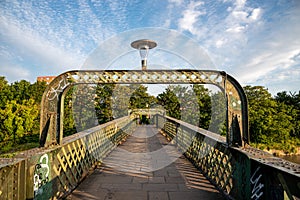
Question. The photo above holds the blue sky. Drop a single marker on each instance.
(256, 41)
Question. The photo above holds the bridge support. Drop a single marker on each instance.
(240, 173)
(52, 102)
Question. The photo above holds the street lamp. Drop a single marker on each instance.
(143, 46)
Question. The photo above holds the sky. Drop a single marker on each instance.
(255, 41)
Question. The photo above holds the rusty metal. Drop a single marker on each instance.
(53, 172)
(206, 150)
(237, 110)
(12, 176)
(240, 173)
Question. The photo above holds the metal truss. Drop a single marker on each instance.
(52, 102)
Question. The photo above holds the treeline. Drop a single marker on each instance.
(274, 121)
(86, 106)
(19, 114)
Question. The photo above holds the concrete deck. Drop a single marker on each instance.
(146, 166)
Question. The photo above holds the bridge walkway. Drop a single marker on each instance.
(146, 166)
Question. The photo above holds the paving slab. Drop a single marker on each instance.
(146, 166)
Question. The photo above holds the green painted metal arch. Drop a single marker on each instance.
(237, 108)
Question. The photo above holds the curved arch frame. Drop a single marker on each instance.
(51, 124)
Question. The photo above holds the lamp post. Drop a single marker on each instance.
(143, 46)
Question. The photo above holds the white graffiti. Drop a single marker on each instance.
(41, 173)
(257, 186)
(45, 164)
(55, 91)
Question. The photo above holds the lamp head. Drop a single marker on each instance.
(143, 46)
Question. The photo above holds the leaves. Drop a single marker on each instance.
(17, 119)
(191, 104)
(272, 121)
(140, 98)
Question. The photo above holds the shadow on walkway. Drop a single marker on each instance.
(146, 166)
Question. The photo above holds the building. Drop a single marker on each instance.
(46, 79)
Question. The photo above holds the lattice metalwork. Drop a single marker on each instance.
(52, 173)
(237, 115)
(242, 173)
(203, 149)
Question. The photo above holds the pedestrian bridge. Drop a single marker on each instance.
(146, 166)
(168, 159)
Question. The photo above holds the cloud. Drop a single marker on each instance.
(237, 29)
(30, 44)
(14, 72)
(41, 35)
(240, 4)
(256, 13)
(252, 40)
(220, 43)
(176, 2)
(240, 15)
(256, 44)
(277, 54)
(266, 64)
(190, 16)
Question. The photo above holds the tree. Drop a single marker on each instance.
(121, 100)
(21, 91)
(83, 106)
(269, 121)
(204, 103)
(292, 101)
(36, 90)
(218, 115)
(140, 98)
(69, 122)
(103, 102)
(190, 103)
(18, 120)
(170, 102)
(5, 92)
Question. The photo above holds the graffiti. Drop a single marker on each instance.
(41, 173)
(56, 90)
(257, 185)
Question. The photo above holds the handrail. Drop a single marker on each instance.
(53, 172)
(238, 172)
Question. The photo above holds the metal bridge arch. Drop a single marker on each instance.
(51, 124)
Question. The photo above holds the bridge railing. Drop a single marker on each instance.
(240, 173)
(53, 172)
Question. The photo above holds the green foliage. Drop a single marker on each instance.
(292, 103)
(273, 121)
(204, 103)
(83, 109)
(18, 120)
(36, 91)
(140, 98)
(19, 113)
(121, 100)
(191, 104)
(218, 115)
(170, 102)
(5, 92)
(69, 122)
(103, 102)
